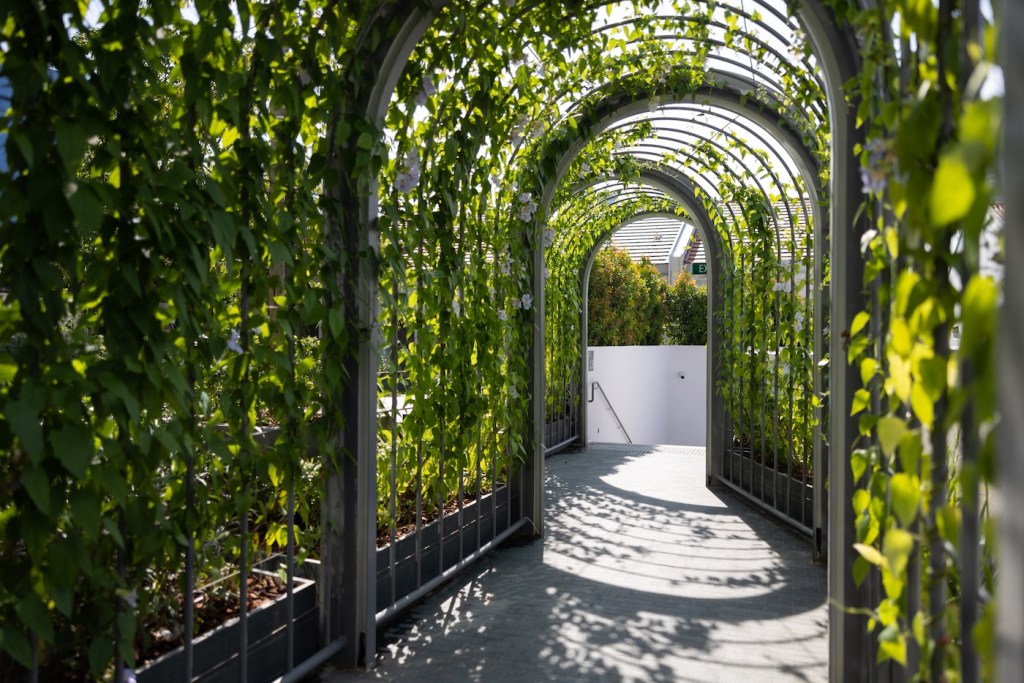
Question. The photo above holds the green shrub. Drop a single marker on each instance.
(686, 313)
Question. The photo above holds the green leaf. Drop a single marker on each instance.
(899, 337)
(859, 321)
(23, 416)
(922, 404)
(86, 207)
(906, 497)
(33, 613)
(980, 299)
(869, 553)
(15, 643)
(85, 511)
(897, 545)
(861, 401)
(37, 485)
(861, 567)
(868, 368)
(952, 190)
(890, 431)
(101, 651)
(73, 446)
(859, 463)
(336, 322)
(8, 368)
(117, 387)
(892, 646)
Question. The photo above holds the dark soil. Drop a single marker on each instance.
(214, 606)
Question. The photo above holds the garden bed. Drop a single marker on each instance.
(440, 543)
(215, 654)
(765, 482)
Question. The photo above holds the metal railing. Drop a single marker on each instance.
(598, 386)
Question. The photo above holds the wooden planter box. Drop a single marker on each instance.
(215, 654)
(441, 546)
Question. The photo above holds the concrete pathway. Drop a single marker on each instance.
(643, 574)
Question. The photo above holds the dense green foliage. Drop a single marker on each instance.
(629, 303)
(186, 257)
(686, 313)
(925, 458)
(626, 302)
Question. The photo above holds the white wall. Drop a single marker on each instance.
(643, 385)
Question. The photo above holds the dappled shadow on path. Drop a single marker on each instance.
(643, 574)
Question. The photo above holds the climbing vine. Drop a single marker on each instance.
(924, 461)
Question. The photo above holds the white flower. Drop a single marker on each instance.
(406, 182)
(233, 342)
(513, 392)
(528, 206)
(527, 301)
(516, 303)
(783, 286)
(409, 176)
(428, 85)
(505, 267)
(584, 169)
(549, 237)
(304, 77)
(457, 307)
(502, 316)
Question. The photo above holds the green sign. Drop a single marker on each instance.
(700, 269)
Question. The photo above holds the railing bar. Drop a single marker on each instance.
(405, 601)
(550, 450)
(460, 514)
(494, 487)
(190, 569)
(393, 493)
(441, 497)
(808, 376)
(789, 460)
(290, 599)
(33, 642)
(118, 602)
(479, 467)
(419, 511)
(767, 508)
(775, 421)
(610, 407)
(312, 663)
(243, 597)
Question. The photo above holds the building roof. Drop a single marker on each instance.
(653, 236)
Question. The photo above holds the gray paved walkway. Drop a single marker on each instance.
(643, 575)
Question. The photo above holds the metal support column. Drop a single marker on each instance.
(1010, 654)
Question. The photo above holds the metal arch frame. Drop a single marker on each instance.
(835, 50)
(675, 184)
(851, 647)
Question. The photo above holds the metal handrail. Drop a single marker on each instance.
(610, 407)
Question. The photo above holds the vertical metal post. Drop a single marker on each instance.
(1010, 639)
(533, 476)
(290, 573)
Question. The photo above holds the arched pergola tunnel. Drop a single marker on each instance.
(466, 161)
(766, 112)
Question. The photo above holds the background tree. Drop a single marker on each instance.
(626, 301)
(686, 312)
